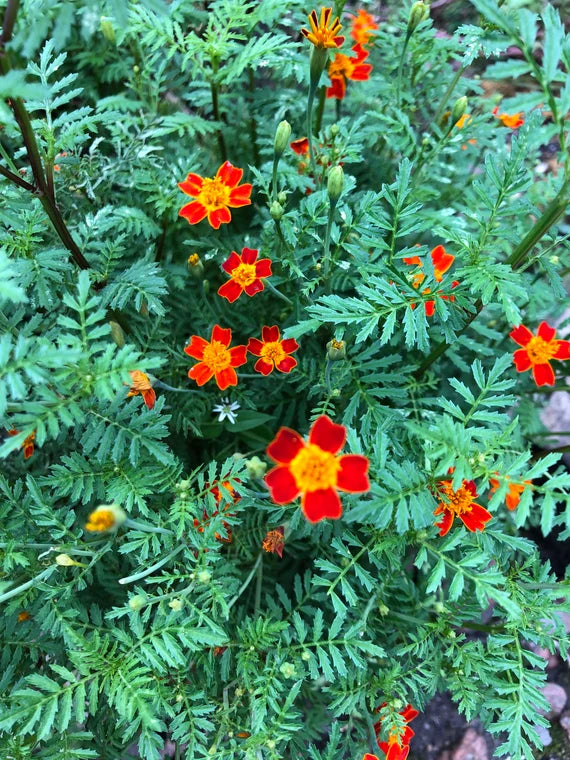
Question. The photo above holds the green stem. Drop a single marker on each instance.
(25, 586)
(253, 121)
(320, 110)
(258, 585)
(327, 247)
(145, 528)
(153, 568)
(278, 293)
(447, 95)
(401, 69)
(274, 178)
(310, 130)
(216, 111)
(246, 583)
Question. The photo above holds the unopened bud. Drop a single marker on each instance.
(206, 286)
(117, 333)
(335, 183)
(554, 259)
(458, 109)
(255, 467)
(398, 704)
(195, 266)
(143, 310)
(336, 350)
(334, 130)
(305, 655)
(176, 604)
(136, 69)
(276, 210)
(64, 560)
(383, 610)
(282, 135)
(282, 197)
(204, 576)
(137, 602)
(107, 29)
(418, 13)
(288, 669)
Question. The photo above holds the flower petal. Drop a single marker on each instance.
(522, 360)
(546, 332)
(254, 346)
(222, 334)
(476, 518)
(430, 308)
(149, 397)
(231, 263)
(441, 261)
(300, 146)
(226, 377)
(230, 175)
(196, 347)
(286, 364)
(201, 373)
(285, 446)
(320, 505)
(289, 345)
(521, 335)
(337, 89)
(263, 268)
(352, 476)
(263, 366)
(446, 521)
(230, 290)
(193, 212)
(240, 196)
(219, 216)
(270, 334)
(249, 255)
(327, 435)
(282, 485)
(563, 350)
(254, 287)
(191, 185)
(543, 374)
(238, 355)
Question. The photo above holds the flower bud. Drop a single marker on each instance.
(336, 350)
(288, 669)
(305, 655)
(335, 183)
(334, 130)
(206, 286)
(117, 334)
(276, 210)
(143, 310)
(282, 135)
(137, 602)
(106, 517)
(418, 13)
(383, 610)
(176, 604)
(282, 197)
(458, 109)
(64, 560)
(204, 576)
(255, 467)
(195, 266)
(107, 29)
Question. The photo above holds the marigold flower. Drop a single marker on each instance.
(28, 445)
(513, 121)
(141, 384)
(216, 359)
(273, 352)
(215, 197)
(537, 350)
(460, 504)
(300, 146)
(105, 517)
(343, 68)
(441, 261)
(24, 615)
(245, 274)
(206, 517)
(397, 747)
(311, 469)
(274, 541)
(362, 25)
(320, 34)
(514, 493)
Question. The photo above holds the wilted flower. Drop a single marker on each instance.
(28, 444)
(513, 121)
(274, 541)
(141, 384)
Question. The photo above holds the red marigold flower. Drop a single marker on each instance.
(320, 34)
(141, 384)
(300, 146)
(514, 493)
(273, 351)
(537, 350)
(362, 25)
(343, 68)
(274, 541)
(245, 273)
(311, 469)
(397, 747)
(513, 121)
(215, 197)
(216, 359)
(28, 445)
(460, 503)
(441, 261)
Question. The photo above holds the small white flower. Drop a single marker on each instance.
(226, 411)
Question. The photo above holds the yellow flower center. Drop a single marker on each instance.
(216, 356)
(337, 344)
(458, 501)
(342, 66)
(273, 351)
(314, 469)
(540, 351)
(214, 194)
(244, 274)
(194, 259)
(100, 519)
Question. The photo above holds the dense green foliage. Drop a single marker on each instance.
(162, 631)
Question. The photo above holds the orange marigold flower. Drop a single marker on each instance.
(537, 351)
(216, 359)
(245, 274)
(368, 756)
(397, 747)
(274, 541)
(215, 197)
(343, 68)
(460, 503)
(362, 25)
(105, 517)
(273, 352)
(320, 34)
(28, 445)
(24, 615)
(514, 493)
(141, 384)
(311, 469)
(300, 146)
(441, 261)
(513, 121)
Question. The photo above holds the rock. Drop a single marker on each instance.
(544, 734)
(473, 747)
(552, 660)
(565, 721)
(556, 697)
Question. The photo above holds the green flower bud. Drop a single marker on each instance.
(418, 13)
(336, 350)
(137, 602)
(255, 467)
(276, 210)
(64, 560)
(288, 669)
(117, 334)
(282, 197)
(398, 704)
(195, 266)
(383, 610)
(334, 130)
(206, 286)
(282, 135)
(335, 183)
(459, 108)
(305, 655)
(204, 576)
(107, 29)
(176, 604)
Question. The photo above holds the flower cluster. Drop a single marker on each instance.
(441, 261)
(344, 67)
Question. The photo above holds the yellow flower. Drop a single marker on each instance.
(320, 34)
(105, 517)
